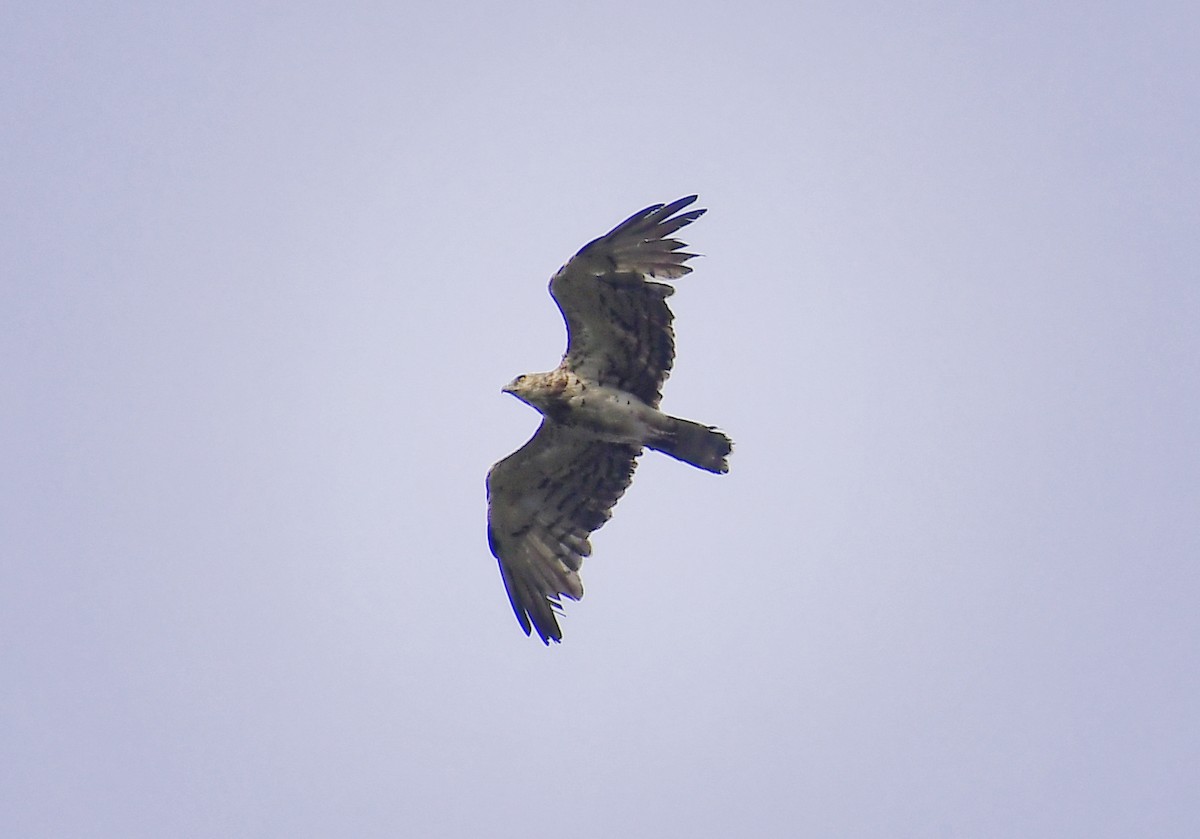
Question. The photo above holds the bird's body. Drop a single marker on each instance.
(600, 408)
(602, 412)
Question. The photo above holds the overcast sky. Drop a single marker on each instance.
(264, 268)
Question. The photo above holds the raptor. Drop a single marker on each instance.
(599, 411)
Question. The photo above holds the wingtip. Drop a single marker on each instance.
(667, 210)
(547, 631)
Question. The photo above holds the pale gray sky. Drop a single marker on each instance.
(266, 266)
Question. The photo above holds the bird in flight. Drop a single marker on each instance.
(599, 410)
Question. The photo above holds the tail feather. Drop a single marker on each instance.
(700, 445)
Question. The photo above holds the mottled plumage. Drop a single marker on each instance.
(599, 407)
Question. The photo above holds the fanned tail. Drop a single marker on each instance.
(700, 445)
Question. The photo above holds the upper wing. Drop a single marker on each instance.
(544, 500)
(618, 324)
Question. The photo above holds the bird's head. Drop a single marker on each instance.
(531, 388)
(516, 386)
(522, 387)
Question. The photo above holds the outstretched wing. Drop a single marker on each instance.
(618, 324)
(544, 500)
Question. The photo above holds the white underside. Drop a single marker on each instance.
(615, 416)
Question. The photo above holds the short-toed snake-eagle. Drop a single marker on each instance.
(599, 407)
